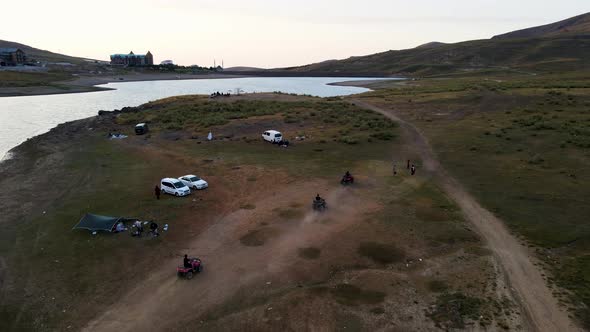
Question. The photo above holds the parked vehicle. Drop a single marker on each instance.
(194, 182)
(272, 136)
(174, 187)
(141, 128)
(188, 272)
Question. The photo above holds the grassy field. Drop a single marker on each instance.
(58, 279)
(23, 79)
(521, 144)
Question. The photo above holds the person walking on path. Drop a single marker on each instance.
(413, 169)
(157, 191)
(394, 170)
(408, 165)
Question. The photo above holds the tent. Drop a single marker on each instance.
(93, 222)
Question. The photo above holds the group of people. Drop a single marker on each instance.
(409, 166)
(138, 229)
(220, 94)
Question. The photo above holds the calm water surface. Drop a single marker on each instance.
(25, 117)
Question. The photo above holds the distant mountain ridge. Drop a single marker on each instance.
(41, 55)
(561, 46)
(575, 25)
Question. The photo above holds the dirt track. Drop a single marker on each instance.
(528, 285)
(161, 303)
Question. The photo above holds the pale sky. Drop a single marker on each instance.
(263, 33)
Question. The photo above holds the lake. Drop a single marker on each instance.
(25, 117)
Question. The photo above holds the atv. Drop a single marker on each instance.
(347, 179)
(188, 272)
(319, 205)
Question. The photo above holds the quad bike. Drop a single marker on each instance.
(319, 205)
(347, 179)
(188, 272)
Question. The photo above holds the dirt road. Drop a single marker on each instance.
(528, 285)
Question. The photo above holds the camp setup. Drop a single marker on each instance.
(96, 223)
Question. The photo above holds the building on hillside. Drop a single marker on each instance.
(132, 59)
(10, 56)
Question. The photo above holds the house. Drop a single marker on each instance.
(132, 59)
(10, 56)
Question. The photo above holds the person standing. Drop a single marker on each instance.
(154, 229)
(408, 165)
(157, 191)
(394, 169)
(413, 169)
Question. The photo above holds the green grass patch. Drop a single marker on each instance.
(9, 79)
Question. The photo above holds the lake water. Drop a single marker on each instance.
(25, 117)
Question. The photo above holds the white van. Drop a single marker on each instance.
(174, 187)
(272, 136)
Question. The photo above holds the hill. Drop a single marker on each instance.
(575, 25)
(548, 50)
(42, 55)
(431, 45)
(243, 69)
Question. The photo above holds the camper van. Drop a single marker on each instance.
(272, 136)
(174, 187)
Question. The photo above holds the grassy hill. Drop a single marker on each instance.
(548, 50)
(575, 25)
(42, 55)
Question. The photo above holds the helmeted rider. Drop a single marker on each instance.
(318, 198)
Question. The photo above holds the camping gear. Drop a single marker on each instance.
(117, 136)
(94, 223)
(188, 272)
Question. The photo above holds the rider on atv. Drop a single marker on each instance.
(347, 178)
(319, 203)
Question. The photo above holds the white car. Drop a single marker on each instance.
(272, 136)
(194, 182)
(174, 187)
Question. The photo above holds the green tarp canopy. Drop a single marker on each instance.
(93, 222)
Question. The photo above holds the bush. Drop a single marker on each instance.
(348, 140)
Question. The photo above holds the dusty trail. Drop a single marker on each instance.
(163, 302)
(541, 307)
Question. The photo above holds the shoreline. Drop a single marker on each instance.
(83, 84)
(370, 84)
(90, 83)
